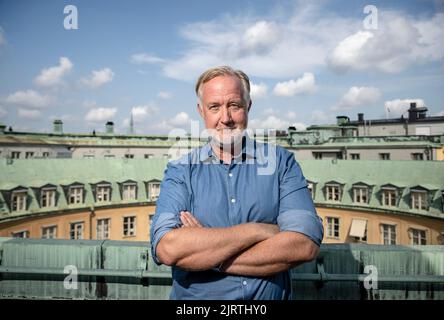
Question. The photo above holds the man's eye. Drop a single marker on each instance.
(214, 108)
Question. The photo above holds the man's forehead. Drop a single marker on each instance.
(222, 85)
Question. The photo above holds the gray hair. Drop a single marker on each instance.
(224, 71)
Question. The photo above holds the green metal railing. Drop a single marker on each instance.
(35, 268)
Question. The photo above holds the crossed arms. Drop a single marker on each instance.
(250, 249)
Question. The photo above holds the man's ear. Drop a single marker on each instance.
(199, 109)
(249, 106)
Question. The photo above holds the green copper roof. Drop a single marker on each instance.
(36, 173)
(61, 173)
(405, 175)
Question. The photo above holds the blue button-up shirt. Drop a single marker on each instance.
(263, 184)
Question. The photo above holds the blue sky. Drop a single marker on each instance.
(308, 61)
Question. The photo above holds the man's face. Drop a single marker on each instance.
(223, 109)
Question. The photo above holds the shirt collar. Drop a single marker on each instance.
(206, 153)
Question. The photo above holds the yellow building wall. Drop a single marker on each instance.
(116, 215)
(440, 154)
(434, 228)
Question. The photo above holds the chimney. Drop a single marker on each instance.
(58, 126)
(110, 127)
(360, 117)
(413, 111)
(342, 120)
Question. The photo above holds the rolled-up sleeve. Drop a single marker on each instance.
(296, 209)
(172, 200)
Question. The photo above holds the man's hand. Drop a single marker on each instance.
(188, 220)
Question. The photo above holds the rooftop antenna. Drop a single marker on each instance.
(131, 123)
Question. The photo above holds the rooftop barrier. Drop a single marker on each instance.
(96, 269)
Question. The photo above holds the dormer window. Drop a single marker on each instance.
(360, 194)
(18, 200)
(76, 194)
(390, 196)
(333, 191)
(48, 197)
(129, 191)
(103, 193)
(419, 199)
(153, 190)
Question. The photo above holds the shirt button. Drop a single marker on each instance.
(230, 174)
(233, 200)
(244, 283)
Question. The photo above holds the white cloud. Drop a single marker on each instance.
(30, 99)
(346, 54)
(164, 95)
(90, 104)
(142, 58)
(100, 114)
(140, 113)
(399, 42)
(270, 122)
(273, 120)
(258, 91)
(181, 121)
(52, 77)
(319, 116)
(397, 107)
(305, 84)
(431, 45)
(260, 37)
(291, 115)
(3, 112)
(29, 114)
(280, 46)
(357, 96)
(269, 112)
(99, 78)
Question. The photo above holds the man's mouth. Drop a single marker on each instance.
(227, 136)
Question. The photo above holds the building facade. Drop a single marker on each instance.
(79, 199)
(375, 202)
(344, 140)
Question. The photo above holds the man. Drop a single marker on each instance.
(228, 229)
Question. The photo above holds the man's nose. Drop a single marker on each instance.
(226, 115)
